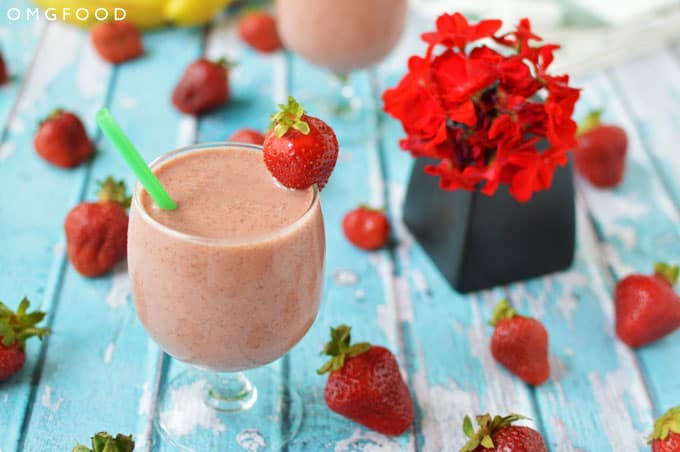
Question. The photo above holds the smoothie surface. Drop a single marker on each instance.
(225, 193)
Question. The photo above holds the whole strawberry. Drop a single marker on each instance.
(647, 307)
(103, 442)
(365, 384)
(4, 76)
(15, 329)
(300, 150)
(250, 136)
(258, 29)
(366, 228)
(62, 140)
(499, 435)
(520, 344)
(204, 86)
(666, 435)
(600, 153)
(96, 232)
(117, 41)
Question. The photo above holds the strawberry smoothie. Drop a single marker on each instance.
(232, 279)
(341, 35)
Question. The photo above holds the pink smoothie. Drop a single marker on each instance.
(232, 279)
(342, 35)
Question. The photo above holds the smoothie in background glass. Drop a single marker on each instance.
(342, 36)
(231, 279)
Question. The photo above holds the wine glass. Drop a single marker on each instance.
(225, 305)
(342, 36)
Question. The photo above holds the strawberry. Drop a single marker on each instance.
(365, 384)
(497, 434)
(520, 344)
(247, 136)
(647, 307)
(300, 150)
(103, 442)
(366, 228)
(258, 30)
(117, 41)
(204, 86)
(4, 76)
(600, 153)
(666, 435)
(15, 329)
(96, 232)
(62, 140)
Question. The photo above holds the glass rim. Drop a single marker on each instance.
(262, 238)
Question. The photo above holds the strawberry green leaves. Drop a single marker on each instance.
(290, 117)
(667, 272)
(111, 190)
(340, 348)
(103, 442)
(669, 422)
(502, 311)
(487, 427)
(592, 120)
(17, 327)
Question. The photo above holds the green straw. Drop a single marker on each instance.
(135, 161)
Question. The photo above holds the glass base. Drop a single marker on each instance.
(201, 411)
(343, 109)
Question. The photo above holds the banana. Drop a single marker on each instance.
(144, 13)
(192, 12)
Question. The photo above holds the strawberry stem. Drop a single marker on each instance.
(593, 119)
(503, 310)
(487, 427)
(368, 208)
(289, 117)
(340, 348)
(111, 190)
(669, 422)
(17, 327)
(225, 63)
(668, 272)
(53, 114)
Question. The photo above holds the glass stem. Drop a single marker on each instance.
(230, 392)
(347, 100)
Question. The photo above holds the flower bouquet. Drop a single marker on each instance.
(496, 128)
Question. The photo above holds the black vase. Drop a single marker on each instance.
(479, 241)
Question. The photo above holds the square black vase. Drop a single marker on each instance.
(479, 241)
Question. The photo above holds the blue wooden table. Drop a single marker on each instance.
(100, 371)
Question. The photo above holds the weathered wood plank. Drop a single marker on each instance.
(454, 374)
(596, 398)
(100, 366)
(252, 83)
(638, 220)
(32, 242)
(359, 288)
(18, 43)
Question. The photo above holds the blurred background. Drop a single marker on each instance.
(629, 27)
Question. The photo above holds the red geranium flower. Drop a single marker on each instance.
(453, 30)
(491, 118)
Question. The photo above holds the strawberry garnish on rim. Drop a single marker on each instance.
(299, 150)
